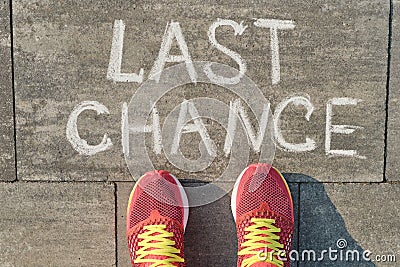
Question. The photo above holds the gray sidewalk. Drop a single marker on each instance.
(63, 194)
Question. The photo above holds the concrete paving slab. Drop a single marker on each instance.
(210, 238)
(57, 224)
(393, 153)
(332, 53)
(7, 157)
(343, 217)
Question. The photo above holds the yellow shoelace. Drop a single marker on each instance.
(156, 242)
(261, 236)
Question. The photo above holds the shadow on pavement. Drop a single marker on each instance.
(210, 238)
(322, 227)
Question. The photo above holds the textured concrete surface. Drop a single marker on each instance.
(56, 224)
(393, 153)
(7, 158)
(62, 50)
(365, 215)
(210, 237)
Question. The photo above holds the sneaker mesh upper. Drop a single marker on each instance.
(262, 193)
(156, 193)
(266, 189)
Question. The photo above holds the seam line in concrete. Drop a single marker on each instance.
(56, 183)
(60, 182)
(112, 182)
(13, 88)
(298, 220)
(389, 50)
(116, 223)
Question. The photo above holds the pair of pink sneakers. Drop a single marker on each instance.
(261, 205)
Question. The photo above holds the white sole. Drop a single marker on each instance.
(184, 200)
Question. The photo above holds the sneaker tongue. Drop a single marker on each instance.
(150, 264)
(157, 218)
(155, 257)
(263, 264)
